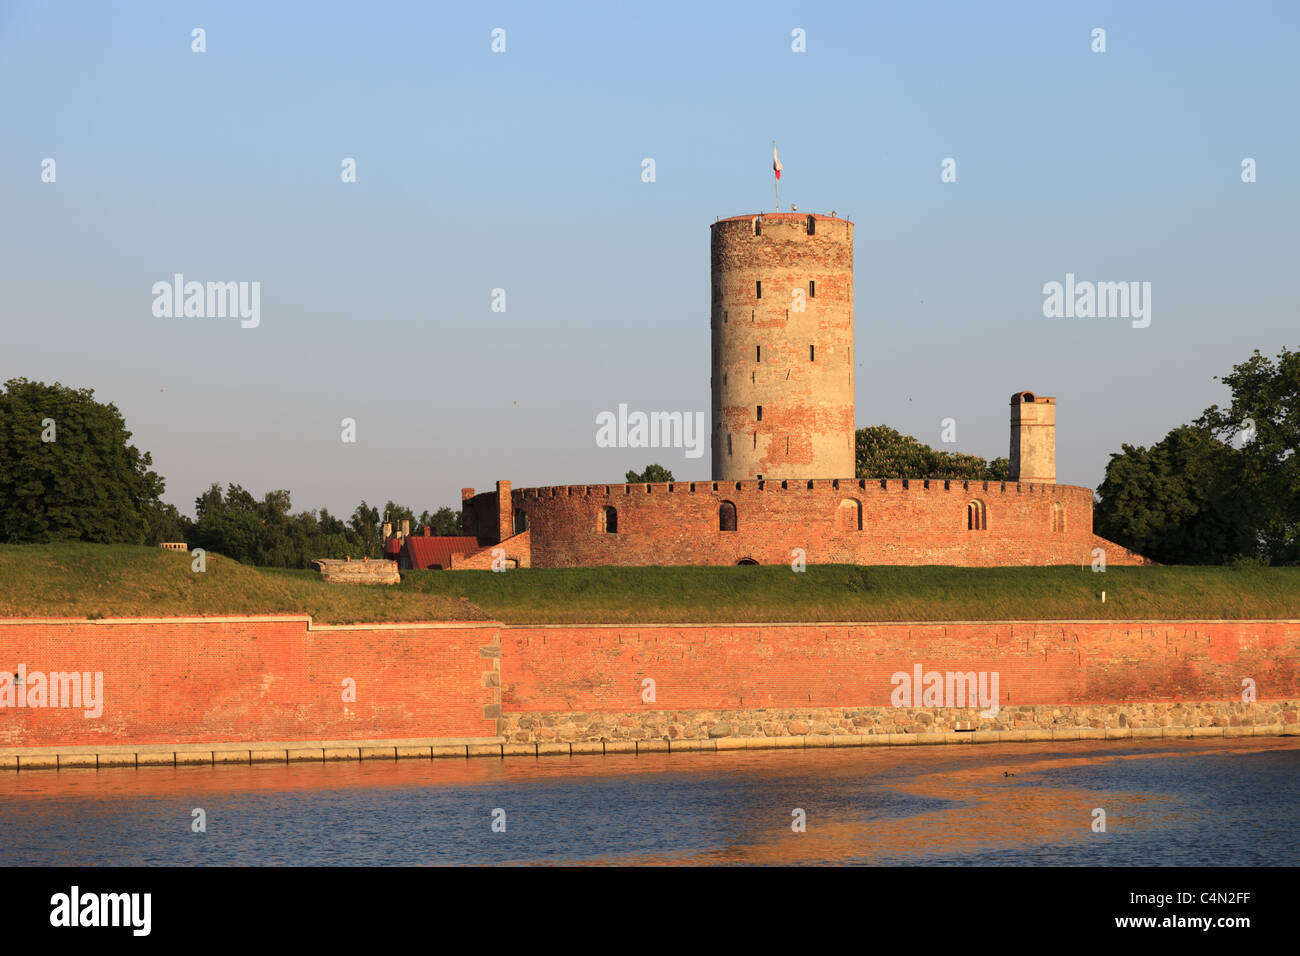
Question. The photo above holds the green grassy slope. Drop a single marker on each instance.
(89, 580)
(848, 593)
(82, 580)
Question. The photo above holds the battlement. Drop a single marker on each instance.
(865, 521)
(797, 485)
(793, 223)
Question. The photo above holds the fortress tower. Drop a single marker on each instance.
(782, 329)
(1033, 438)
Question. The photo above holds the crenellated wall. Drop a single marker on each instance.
(856, 521)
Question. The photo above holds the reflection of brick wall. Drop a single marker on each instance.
(601, 668)
(903, 522)
(201, 680)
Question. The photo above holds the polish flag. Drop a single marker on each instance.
(776, 163)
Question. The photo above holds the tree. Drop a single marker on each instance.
(652, 474)
(163, 522)
(395, 514)
(68, 471)
(444, 521)
(1177, 502)
(366, 529)
(330, 525)
(1264, 418)
(883, 452)
(1222, 489)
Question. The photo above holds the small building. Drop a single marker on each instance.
(434, 552)
(427, 551)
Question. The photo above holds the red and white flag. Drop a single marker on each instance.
(776, 163)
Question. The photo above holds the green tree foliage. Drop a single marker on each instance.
(366, 529)
(652, 473)
(267, 532)
(883, 452)
(444, 521)
(1224, 489)
(1264, 418)
(396, 514)
(1176, 502)
(88, 484)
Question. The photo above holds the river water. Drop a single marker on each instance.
(1232, 802)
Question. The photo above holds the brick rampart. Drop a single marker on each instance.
(255, 679)
(832, 521)
(193, 681)
(592, 668)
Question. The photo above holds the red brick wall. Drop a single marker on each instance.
(595, 669)
(912, 522)
(270, 679)
(517, 555)
(254, 680)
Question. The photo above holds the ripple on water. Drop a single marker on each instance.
(1178, 802)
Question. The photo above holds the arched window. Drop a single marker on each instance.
(1058, 516)
(521, 520)
(608, 521)
(977, 518)
(727, 516)
(850, 515)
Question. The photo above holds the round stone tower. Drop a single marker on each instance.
(782, 324)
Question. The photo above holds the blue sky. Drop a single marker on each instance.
(522, 170)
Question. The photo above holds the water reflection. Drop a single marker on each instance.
(1177, 802)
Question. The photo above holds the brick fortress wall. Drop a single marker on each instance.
(195, 681)
(845, 521)
(199, 680)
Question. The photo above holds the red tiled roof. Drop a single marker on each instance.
(436, 550)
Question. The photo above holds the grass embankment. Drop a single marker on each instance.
(849, 593)
(83, 580)
(99, 580)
